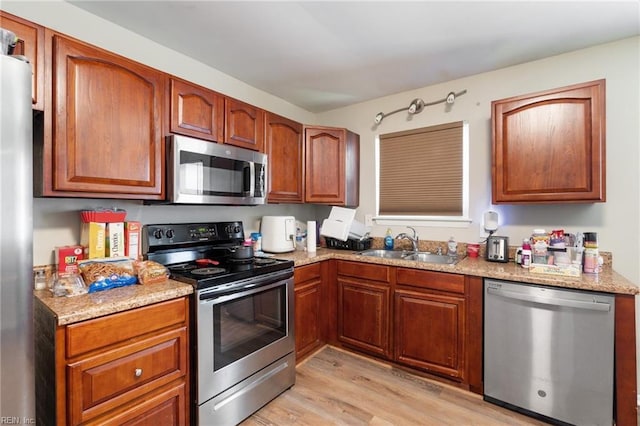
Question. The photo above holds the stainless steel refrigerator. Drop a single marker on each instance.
(17, 392)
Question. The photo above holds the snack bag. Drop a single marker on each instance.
(150, 272)
(105, 274)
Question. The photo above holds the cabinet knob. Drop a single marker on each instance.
(138, 372)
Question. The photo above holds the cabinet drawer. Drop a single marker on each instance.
(306, 273)
(430, 279)
(102, 382)
(100, 332)
(366, 271)
(166, 407)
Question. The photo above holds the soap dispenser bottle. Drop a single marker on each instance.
(388, 240)
(452, 247)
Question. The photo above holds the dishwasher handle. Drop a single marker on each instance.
(556, 301)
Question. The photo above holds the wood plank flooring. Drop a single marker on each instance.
(335, 387)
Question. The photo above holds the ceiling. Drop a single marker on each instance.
(321, 55)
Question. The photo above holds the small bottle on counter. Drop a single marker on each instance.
(526, 253)
(452, 247)
(388, 240)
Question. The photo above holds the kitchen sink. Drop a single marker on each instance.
(387, 254)
(428, 257)
(421, 256)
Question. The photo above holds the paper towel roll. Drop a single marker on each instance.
(311, 235)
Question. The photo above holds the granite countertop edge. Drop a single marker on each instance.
(69, 310)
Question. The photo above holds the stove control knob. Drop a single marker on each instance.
(170, 233)
(236, 229)
(157, 233)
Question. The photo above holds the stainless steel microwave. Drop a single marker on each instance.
(203, 172)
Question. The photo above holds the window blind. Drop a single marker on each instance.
(421, 171)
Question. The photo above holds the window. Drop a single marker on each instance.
(423, 174)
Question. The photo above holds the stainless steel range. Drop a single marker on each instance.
(243, 327)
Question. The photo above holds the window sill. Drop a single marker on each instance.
(427, 221)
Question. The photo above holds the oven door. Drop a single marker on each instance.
(202, 172)
(243, 330)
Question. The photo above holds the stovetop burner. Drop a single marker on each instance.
(207, 271)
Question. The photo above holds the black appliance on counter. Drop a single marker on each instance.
(243, 324)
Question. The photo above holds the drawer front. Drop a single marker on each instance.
(165, 407)
(366, 271)
(306, 273)
(442, 281)
(100, 383)
(101, 332)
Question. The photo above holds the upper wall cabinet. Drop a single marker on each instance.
(332, 166)
(244, 125)
(549, 147)
(103, 124)
(196, 111)
(31, 45)
(285, 149)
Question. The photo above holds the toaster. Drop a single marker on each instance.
(497, 249)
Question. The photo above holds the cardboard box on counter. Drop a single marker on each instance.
(132, 237)
(115, 239)
(67, 258)
(93, 238)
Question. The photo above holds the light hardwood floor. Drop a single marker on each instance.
(335, 387)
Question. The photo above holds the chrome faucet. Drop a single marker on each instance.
(414, 239)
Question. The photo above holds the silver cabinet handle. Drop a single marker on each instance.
(138, 372)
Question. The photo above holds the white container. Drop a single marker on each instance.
(311, 236)
(278, 234)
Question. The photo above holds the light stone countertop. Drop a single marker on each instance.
(608, 281)
(69, 310)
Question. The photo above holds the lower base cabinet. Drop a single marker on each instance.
(364, 307)
(126, 368)
(430, 322)
(310, 319)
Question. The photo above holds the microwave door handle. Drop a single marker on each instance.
(252, 178)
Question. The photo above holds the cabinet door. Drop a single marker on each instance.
(31, 45)
(332, 166)
(549, 147)
(285, 148)
(429, 332)
(196, 111)
(363, 316)
(324, 165)
(106, 139)
(244, 125)
(311, 309)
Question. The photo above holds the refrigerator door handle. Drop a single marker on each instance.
(556, 301)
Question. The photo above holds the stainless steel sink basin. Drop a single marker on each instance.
(387, 254)
(432, 258)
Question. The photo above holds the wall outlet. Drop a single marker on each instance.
(368, 220)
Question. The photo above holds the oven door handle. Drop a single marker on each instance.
(249, 288)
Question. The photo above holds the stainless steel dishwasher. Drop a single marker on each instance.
(549, 352)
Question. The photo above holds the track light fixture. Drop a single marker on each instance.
(417, 105)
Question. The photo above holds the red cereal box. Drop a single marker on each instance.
(67, 258)
(132, 240)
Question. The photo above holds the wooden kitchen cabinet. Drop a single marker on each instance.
(364, 307)
(311, 307)
(196, 111)
(126, 367)
(103, 133)
(244, 125)
(285, 149)
(549, 147)
(30, 44)
(430, 322)
(332, 166)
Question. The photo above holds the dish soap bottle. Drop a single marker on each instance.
(388, 240)
(452, 247)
